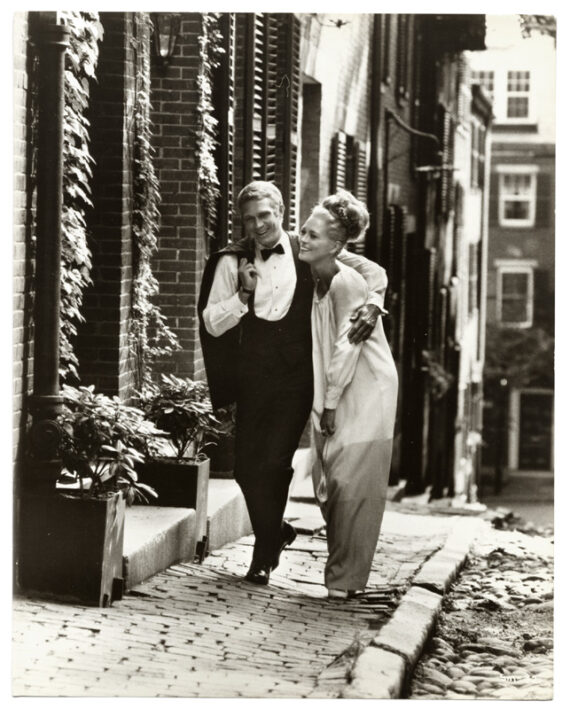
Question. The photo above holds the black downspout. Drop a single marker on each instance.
(45, 403)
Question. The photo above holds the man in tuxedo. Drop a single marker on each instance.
(255, 329)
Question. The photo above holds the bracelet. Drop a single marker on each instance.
(245, 290)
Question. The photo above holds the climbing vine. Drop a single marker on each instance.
(81, 59)
(149, 335)
(210, 43)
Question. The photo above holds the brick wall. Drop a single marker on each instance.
(102, 345)
(22, 268)
(182, 241)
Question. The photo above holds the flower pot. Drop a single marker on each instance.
(181, 483)
(71, 547)
(222, 457)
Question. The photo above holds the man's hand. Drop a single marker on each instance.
(364, 322)
(247, 276)
(327, 422)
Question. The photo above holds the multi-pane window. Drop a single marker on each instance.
(515, 286)
(517, 198)
(518, 91)
(486, 80)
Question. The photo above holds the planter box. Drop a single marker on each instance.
(222, 457)
(72, 548)
(181, 484)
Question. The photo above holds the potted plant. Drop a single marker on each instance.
(181, 409)
(222, 452)
(72, 543)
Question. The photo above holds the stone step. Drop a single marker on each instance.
(155, 538)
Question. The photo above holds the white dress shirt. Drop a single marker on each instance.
(276, 281)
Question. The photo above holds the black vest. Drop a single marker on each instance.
(280, 349)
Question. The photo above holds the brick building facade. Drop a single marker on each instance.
(386, 123)
(519, 77)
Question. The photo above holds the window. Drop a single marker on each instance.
(517, 195)
(518, 91)
(515, 288)
(486, 80)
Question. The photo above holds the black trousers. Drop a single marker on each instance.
(270, 419)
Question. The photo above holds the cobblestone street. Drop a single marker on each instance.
(494, 637)
(201, 631)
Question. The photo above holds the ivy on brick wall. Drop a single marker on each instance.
(210, 43)
(81, 59)
(150, 337)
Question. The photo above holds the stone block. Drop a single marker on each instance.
(408, 629)
(376, 674)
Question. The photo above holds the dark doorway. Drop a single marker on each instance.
(535, 437)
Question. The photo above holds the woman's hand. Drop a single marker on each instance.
(327, 422)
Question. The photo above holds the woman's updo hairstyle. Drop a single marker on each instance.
(350, 213)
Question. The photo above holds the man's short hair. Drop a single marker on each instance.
(259, 189)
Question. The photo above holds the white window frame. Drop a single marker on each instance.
(531, 171)
(518, 94)
(515, 266)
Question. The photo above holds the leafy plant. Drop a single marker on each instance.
(210, 43)
(181, 408)
(227, 420)
(102, 441)
(525, 357)
(439, 378)
(149, 337)
(81, 60)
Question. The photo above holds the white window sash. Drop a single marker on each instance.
(528, 270)
(529, 198)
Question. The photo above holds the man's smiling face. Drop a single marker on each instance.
(262, 221)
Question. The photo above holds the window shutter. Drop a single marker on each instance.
(544, 199)
(224, 101)
(256, 76)
(386, 53)
(544, 299)
(402, 57)
(360, 181)
(398, 280)
(270, 98)
(290, 87)
(338, 162)
(446, 138)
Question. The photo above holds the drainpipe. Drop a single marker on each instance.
(45, 403)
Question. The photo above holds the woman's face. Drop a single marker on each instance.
(318, 240)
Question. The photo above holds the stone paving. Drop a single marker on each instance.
(202, 631)
(494, 637)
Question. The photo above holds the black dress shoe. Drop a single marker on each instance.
(288, 536)
(258, 574)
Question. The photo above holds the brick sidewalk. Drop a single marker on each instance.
(201, 631)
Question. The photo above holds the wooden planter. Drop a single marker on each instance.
(222, 457)
(181, 484)
(71, 547)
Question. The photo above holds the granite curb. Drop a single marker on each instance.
(384, 668)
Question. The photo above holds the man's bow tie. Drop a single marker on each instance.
(266, 253)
